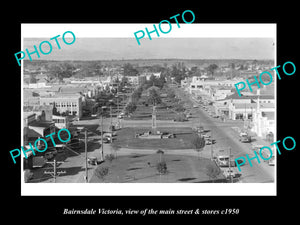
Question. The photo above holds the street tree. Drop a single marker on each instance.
(101, 172)
(130, 108)
(180, 117)
(178, 72)
(154, 97)
(161, 167)
(178, 107)
(129, 70)
(160, 152)
(62, 70)
(199, 143)
(170, 94)
(110, 157)
(212, 68)
(212, 171)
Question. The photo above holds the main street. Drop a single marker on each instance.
(225, 134)
(226, 137)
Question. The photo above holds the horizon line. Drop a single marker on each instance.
(54, 60)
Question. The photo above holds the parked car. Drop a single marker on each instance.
(106, 140)
(210, 141)
(222, 160)
(92, 160)
(244, 137)
(188, 115)
(232, 172)
(199, 129)
(206, 136)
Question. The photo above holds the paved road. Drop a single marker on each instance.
(223, 132)
(226, 138)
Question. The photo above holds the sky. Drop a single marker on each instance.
(182, 48)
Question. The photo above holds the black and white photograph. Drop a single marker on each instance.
(163, 112)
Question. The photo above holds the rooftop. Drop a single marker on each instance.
(64, 95)
(253, 105)
(269, 115)
(41, 124)
(236, 96)
(37, 108)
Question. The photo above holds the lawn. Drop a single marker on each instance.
(126, 138)
(163, 111)
(142, 169)
(145, 112)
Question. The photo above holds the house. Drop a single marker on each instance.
(43, 112)
(35, 129)
(41, 83)
(61, 121)
(134, 80)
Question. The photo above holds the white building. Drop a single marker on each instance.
(61, 121)
(263, 122)
(198, 84)
(41, 83)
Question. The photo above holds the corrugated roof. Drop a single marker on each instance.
(253, 105)
(236, 96)
(245, 105)
(35, 108)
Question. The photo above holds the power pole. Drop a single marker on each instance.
(230, 174)
(86, 160)
(110, 111)
(111, 128)
(211, 149)
(101, 154)
(54, 173)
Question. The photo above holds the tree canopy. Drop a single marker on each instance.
(153, 97)
(129, 70)
(212, 68)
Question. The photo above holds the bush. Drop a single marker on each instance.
(101, 172)
(199, 143)
(179, 107)
(180, 118)
(130, 108)
(161, 167)
(212, 171)
(110, 157)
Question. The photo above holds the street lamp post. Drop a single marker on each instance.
(86, 160)
(101, 119)
(101, 154)
(230, 173)
(111, 128)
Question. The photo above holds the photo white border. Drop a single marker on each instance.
(149, 189)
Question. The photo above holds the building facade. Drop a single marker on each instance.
(65, 103)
